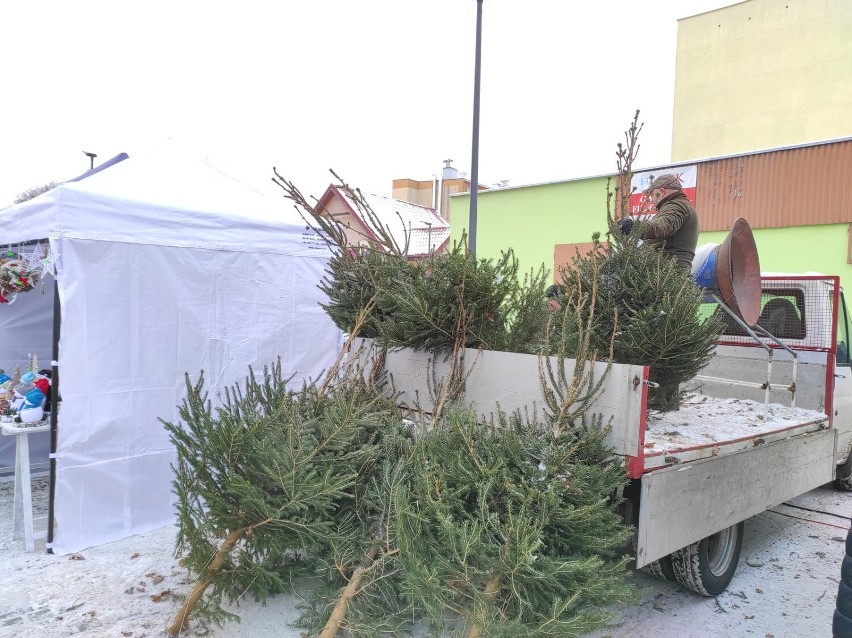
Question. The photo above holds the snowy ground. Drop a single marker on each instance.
(784, 588)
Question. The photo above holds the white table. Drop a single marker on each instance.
(23, 499)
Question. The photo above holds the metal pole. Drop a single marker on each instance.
(54, 412)
(474, 161)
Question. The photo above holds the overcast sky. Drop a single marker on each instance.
(376, 89)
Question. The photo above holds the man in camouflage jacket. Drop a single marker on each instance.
(674, 229)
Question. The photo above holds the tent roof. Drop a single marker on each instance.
(168, 200)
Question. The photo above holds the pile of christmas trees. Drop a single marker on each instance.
(504, 526)
(500, 526)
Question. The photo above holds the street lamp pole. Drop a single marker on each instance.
(474, 161)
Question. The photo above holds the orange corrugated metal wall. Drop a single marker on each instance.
(789, 187)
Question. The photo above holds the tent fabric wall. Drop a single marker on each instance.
(123, 355)
(164, 270)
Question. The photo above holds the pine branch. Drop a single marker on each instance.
(334, 371)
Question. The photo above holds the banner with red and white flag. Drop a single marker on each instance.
(641, 205)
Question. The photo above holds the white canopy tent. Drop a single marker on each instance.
(165, 267)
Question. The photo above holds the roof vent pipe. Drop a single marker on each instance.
(449, 172)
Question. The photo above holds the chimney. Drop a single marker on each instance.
(449, 171)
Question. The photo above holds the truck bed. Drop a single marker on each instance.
(706, 427)
(716, 421)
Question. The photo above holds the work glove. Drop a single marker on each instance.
(626, 225)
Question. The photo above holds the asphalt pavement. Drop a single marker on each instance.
(784, 587)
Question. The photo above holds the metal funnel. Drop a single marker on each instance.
(738, 272)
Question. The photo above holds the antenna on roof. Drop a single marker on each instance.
(92, 157)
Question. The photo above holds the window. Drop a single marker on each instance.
(782, 314)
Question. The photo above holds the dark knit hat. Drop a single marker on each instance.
(668, 181)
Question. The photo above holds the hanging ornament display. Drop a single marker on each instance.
(43, 258)
(21, 273)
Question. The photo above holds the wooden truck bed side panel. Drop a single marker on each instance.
(682, 504)
(512, 382)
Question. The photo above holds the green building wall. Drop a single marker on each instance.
(799, 249)
(533, 219)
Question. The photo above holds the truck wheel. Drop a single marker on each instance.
(661, 568)
(844, 600)
(841, 627)
(843, 475)
(706, 567)
(846, 571)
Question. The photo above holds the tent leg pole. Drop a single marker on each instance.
(54, 411)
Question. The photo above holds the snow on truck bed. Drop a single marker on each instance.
(704, 426)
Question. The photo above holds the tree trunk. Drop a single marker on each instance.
(334, 621)
(490, 592)
(201, 586)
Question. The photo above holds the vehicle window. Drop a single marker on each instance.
(842, 333)
(782, 314)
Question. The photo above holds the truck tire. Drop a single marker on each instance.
(707, 567)
(846, 570)
(843, 475)
(842, 624)
(841, 627)
(661, 568)
(844, 600)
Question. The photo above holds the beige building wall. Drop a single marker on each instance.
(762, 74)
(422, 192)
(409, 190)
(451, 187)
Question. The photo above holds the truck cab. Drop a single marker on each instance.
(843, 398)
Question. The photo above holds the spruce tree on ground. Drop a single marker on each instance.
(512, 528)
(267, 479)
